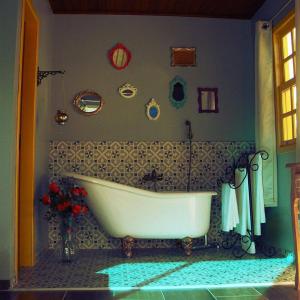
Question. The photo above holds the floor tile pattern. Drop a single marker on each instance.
(155, 268)
(127, 162)
(243, 293)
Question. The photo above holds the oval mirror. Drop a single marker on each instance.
(88, 102)
(152, 110)
(119, 56)
(177, 94)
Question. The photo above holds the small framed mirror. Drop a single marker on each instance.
(119, 56)
(88, 102)
(152, 110)
(208, 100)
(183, 57)
(127, 91)
(177, 93)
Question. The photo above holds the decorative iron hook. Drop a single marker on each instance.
(43, 74)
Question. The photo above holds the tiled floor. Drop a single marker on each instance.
(246, 293)
(155, 269)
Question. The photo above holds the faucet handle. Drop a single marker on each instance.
(160, 177)
(147, 177)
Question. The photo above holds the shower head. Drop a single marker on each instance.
(189, 125)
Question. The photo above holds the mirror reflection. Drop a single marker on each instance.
(119, 56)
(178, 94)
(208, 100)
(88, 102)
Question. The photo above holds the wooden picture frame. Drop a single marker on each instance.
(183, 57)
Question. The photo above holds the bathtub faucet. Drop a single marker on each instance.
(153, 177)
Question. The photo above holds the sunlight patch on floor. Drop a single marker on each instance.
(231, 273)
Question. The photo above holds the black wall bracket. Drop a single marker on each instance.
(43, 74)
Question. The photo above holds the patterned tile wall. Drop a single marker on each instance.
(127, 162)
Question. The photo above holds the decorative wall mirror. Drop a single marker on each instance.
(88, 102)
(152, 110)
(183, 57)
(177, 94)
(127, 91)
(208, 100)
(119, 56)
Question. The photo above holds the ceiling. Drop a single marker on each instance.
(237, 9)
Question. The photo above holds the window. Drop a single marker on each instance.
(284, 38)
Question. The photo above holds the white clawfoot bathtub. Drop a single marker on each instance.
(125, 211)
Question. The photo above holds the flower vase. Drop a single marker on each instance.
(68, 244)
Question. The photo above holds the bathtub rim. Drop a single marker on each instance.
(135, 190)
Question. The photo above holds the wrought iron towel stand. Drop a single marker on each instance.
(232, 239)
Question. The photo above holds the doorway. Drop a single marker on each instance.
(25, 170)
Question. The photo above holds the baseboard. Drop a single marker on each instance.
(4, 285)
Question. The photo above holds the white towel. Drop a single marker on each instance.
(242, 194)
(230, 215)
(258, 207)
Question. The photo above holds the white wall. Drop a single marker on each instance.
(44, 118)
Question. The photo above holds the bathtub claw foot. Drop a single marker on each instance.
(187, 244)
(127, 243)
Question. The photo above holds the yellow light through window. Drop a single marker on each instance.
(286, 101)
(289, 70)
(287, 128)
(286, 92)
(295, 126)
(287, 45)
(294, 97)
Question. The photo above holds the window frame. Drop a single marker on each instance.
(279, 31)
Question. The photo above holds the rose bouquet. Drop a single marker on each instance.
(68, 203)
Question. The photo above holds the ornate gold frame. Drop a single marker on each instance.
(78, 96)
(127, 86)
(152, 103)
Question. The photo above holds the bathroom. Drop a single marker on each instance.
(121, 144)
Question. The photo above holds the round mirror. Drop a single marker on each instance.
(119, 56)
(88, 102)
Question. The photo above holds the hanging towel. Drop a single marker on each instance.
(242, 195)
(258, 207)
(230, 215)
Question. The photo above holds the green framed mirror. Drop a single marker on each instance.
(177, 93)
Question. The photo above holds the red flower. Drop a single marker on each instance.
(83, 192)
(46, 200)
(60, 207)
(54, 188)
(75, 191)
(84, 209)
(67, 204)
(76, 209)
